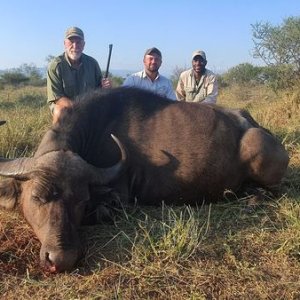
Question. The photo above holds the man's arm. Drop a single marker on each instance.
(54, 83)
(212, 90)
(55, 92)
(180, 93)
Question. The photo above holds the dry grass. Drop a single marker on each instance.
(218, 251)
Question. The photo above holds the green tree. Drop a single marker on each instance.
(14, 78)
(117, 81)
(278, 77)
(26, 74)
(243, 74)
(33, 73)
(279, 46)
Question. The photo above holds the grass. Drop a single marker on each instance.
(27, 117)
(219, 251)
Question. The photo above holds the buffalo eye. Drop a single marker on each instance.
(45, 197)
(55, 194)
(40, 200)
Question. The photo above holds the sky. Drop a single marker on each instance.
(34, 29)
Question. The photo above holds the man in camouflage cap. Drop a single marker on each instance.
(72, 73)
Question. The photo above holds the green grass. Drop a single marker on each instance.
(27, 117)
(220, 251)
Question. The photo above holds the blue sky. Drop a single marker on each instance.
(33, 29)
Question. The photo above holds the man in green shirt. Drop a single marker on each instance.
(72, 74)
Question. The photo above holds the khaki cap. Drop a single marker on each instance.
(199, 52)
(74, 31)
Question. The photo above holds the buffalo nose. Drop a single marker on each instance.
(55, 261)
(49, 265)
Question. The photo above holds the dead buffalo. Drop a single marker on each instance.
(176, 151)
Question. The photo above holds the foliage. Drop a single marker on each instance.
(14, 78)
(33, 73)
(243, 74)
(279, 46)
(117, 81)
(279, 77)
(24, 75)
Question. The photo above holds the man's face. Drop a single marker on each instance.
(199, 64)
(152, 62)
(74, 47)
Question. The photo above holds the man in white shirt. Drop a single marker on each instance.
(149, 78)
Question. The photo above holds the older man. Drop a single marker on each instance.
(149, 78)
(72, 73)
(197, 84)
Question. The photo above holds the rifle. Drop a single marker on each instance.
(108, 61)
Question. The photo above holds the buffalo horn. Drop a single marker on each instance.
(106, 175)
(18, 168)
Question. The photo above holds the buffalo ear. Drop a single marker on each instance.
(9, 193)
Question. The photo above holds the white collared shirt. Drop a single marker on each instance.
(161, 85)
